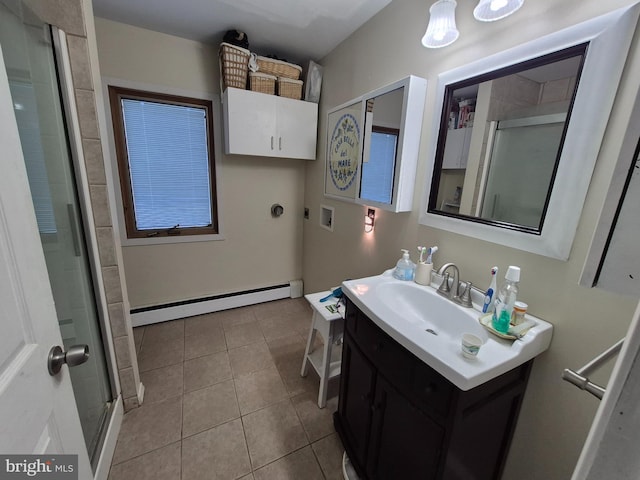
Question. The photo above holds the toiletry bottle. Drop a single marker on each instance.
(503, 306)
(405, 268)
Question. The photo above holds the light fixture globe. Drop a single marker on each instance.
(441, 30)
(492, 10)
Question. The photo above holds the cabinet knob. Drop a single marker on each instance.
(378, 346)
(430, 388)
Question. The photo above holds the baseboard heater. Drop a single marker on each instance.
(199, 306)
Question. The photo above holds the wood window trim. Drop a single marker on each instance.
(389, 130)
(116, 95)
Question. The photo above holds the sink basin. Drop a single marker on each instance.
(431, 327)
(426, 309)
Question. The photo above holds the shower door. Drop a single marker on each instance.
(522, 161)
(30, 65)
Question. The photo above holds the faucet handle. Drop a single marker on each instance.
(444, 288)
(465, 298)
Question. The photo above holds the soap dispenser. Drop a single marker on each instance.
(405, 268)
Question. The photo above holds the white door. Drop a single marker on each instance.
(38, 413)
(611, 449)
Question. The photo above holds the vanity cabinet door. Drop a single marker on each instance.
(356, 396)
(405, 442)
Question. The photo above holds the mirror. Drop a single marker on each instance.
(500, 138)
(382, 118)
(344, 126)
(391, 141)
(532, 203)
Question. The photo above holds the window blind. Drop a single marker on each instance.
(168, 164)
(377, 173)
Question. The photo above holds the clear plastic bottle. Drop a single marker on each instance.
(506, 298)
(405, 268)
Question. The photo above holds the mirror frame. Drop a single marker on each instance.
(412, 114)
(592, 106)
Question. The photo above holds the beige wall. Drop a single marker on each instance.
(556, 416)
(258, 250)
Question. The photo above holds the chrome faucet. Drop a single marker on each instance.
(451, 292)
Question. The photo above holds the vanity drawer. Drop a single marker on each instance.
(430, 390)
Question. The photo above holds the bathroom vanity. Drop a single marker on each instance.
(398, 417)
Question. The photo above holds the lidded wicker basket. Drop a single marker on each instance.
(290, 88)
(278, 68)
(262, 82)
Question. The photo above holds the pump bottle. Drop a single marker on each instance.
(405, 268)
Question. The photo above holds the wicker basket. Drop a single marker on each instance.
(262, 82)
(279, 68)
(234, 65)
(290, 88)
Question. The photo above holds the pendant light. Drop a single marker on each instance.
(441, 30)
(491, 10)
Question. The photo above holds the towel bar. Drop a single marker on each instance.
(580, 378)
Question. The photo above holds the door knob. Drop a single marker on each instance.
(76, 355)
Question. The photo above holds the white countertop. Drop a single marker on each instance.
(405, 310)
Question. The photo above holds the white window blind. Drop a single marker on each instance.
(26, 109)
(377, 173)
(168, 159)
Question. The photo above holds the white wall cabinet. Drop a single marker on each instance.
(456, 149)
(268, 125)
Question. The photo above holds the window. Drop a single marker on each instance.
(377, 172)
(164, 147)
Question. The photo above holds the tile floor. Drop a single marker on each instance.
(224, 400)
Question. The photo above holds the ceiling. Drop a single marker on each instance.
(298, 30)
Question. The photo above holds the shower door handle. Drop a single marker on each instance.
(76, 355)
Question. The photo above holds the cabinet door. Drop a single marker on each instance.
(249, 121)
(405, 443)
(356, 395)
(456, 148)
(297, 129)
(466, 143)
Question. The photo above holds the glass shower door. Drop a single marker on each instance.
(31, 68)
(522, 163)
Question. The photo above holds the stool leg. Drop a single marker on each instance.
(310, 340)
(326, 367)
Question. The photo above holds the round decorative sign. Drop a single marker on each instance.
(343, 152)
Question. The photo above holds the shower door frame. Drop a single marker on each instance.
(111, 427)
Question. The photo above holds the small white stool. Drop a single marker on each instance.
(330, 326)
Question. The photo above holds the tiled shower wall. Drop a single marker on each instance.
(70, 16)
